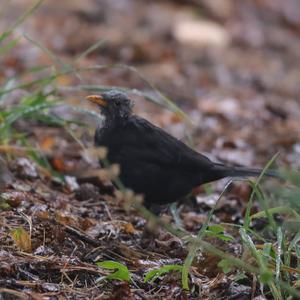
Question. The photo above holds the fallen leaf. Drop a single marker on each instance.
(128, 228)
(198, 34)
(47, 143)
(22, 239)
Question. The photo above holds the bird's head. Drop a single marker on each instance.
(113, 104)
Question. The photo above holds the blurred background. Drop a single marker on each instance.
(232, 66)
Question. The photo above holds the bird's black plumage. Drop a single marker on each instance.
(153, 162)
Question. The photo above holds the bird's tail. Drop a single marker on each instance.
(227, 171)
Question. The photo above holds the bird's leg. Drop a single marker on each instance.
(175, 214)
(158, 209)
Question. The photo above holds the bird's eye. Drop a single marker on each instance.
(117, 103)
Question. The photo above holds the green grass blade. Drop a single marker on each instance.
(20, 20)
(278, 253)
(152, 275)
(17, 114)
(195, 245)
(122, 273)
(276, 210)
(11, 44)
(44, 49)
(90, 49)
(247, 218)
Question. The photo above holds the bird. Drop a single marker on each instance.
(152, 162)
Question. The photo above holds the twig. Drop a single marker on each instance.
(82, 236)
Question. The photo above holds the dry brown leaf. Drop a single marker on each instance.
(65, 220)
(62, 165)
(47, 143)
(22, 239)
(128, 228)
(43, 215)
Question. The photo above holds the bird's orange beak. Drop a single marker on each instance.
(97, 99)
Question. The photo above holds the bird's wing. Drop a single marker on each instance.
(157, 146)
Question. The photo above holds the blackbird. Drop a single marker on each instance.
(153, 163)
